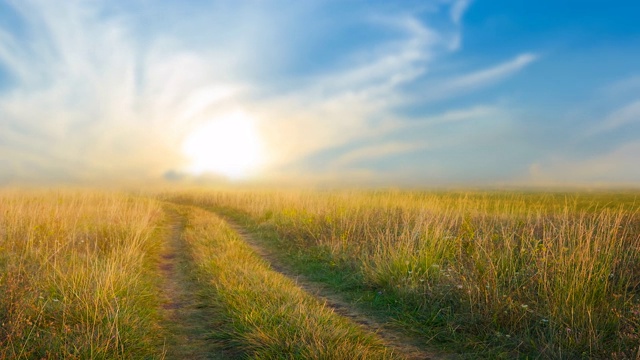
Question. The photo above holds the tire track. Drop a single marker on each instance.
(403, 344)
(186, 320)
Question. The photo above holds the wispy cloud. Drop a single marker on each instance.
(378, 151)
(360, 102)
(476, 80)
(458, 9)
(347, 104)
(628, 114)
(616, 120)
(457, 115)
(94, 96)
(493, 74)
(392, 63)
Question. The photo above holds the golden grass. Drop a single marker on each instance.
(549, 274)
(266, 315)
(74, 275)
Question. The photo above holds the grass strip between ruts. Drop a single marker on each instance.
(267, 315)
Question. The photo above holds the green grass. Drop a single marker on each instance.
(493, 274)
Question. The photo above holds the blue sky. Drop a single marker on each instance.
(412, 93)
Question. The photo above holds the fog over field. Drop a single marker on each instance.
(321, 92)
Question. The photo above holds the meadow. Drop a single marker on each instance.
(468, 274)
(499, 274)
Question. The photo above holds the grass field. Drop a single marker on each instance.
(88, 274)
(270, 317)
(555, 275)
(76, 279)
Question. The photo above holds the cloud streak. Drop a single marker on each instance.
(493, 74)
(464, 84)
(458, 9)
(377, 152)
(626, 115)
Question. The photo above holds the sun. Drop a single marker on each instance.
(228, 145)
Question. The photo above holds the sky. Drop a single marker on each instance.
(414, 93)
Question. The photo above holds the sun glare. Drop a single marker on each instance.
(228, 145)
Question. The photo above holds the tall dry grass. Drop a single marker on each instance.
(74, 275)
(556, 275)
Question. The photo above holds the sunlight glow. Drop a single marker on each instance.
(228, 145)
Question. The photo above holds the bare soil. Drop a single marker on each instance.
(188, 321)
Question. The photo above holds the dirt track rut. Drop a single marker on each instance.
(399, 342)
(187, 320)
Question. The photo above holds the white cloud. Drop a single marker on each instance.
(458, 9)
(350, 103)
(491, 75)
(458, 115)
(626, 115)
(389, 64)
(464, 84)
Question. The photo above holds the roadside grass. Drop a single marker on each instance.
(266, 315)
(77, 277)
(491, 274)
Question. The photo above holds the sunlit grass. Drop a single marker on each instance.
(491, 274)
(556, 275)
(75, 275)
(265, 315)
